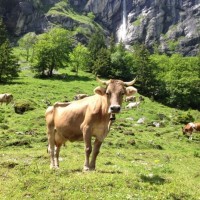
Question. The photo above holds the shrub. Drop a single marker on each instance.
(22, 106)
(183, 118)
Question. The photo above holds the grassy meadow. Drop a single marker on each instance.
(136, 162)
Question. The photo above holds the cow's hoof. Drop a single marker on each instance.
(54, 167)
(88, 169)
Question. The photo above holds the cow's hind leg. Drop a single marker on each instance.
(51, 146)
(56, 158)
(97, 145)
(88, 150)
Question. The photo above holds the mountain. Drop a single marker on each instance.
(171, 25)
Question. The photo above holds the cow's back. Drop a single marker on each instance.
(88, 112)
(197, 125)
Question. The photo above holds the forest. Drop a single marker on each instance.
(173, 80)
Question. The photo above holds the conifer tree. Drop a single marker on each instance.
(8, 63)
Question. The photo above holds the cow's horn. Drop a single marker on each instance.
(130, 83)
(102, 82)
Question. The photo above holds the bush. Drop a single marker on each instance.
(23, 106)
(183, 118)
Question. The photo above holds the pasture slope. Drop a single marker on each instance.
(137, 161)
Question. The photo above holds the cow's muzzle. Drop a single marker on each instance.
(114, 109)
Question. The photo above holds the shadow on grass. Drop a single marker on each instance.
(109, 171)
(66, 78)
(80, 170)
(13, 82)
(153, 179)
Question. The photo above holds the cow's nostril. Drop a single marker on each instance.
(115, 108)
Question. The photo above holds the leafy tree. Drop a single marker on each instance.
(27, 43)
(79, 58)
(178, 79)
(183, 82)
(52, 51)
(9, 67)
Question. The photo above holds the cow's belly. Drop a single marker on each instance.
(69, 132)
(100, 132)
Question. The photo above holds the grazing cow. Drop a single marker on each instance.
(141, 120)
(156, 124)
(86, 118)
(80, 96)
(6, 98)
(189, 128)
(131, 98)
(133, 105)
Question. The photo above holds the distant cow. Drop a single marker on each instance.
(141, 120)
(156, 124)
(84, 119)
(80, 96)
(133, 105)
(131, 98)
(6, 98)
(189, 128)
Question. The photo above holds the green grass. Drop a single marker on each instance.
(135, 162)
(62, 9)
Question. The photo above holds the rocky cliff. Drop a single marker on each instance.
(171, 25)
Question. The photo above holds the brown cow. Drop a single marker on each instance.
(82, 119)
(190, 128)
(80, 96)
(6, 98)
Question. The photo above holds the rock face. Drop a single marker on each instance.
(171, 25)
(22, 16)
(174, 25)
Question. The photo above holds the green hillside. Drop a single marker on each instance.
(137, 161)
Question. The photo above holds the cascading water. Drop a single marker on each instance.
(121, 34)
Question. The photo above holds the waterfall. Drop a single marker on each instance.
(122, 29)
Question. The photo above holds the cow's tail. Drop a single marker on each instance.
(49, 116)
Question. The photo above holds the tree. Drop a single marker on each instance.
(178, 80)
(27, 43)
(79, 58)
(96, 43)
(121, 62)
(144, 69)
(52, 51)
(102, 65)
(9, 67)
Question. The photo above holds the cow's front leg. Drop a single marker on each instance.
(88, 150)
(97, 145)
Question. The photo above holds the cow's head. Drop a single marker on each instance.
(187, 130)
(184, 131)
(114, 92)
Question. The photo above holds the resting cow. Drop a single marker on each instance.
(133, 105)
(190, 128)
(86, 118)
(80, 96)
(6, 98)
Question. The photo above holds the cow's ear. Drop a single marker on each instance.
(100, 90)
(130, 91)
